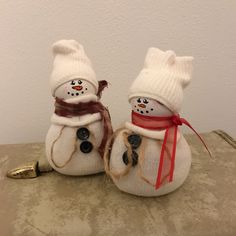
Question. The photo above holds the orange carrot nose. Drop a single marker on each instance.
(78, 87)
(142, 105)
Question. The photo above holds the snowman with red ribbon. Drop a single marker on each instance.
(80, 125)
(150, 156)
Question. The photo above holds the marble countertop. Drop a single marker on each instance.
(53, 204)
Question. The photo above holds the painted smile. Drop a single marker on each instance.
(78, 87)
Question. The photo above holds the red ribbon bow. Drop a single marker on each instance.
(167, 160)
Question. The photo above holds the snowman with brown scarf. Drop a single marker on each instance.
(150, 156)
(80, 125)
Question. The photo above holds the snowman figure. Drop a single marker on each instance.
(80, 125)
(150, 156)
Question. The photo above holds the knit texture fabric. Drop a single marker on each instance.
(70, 62)
(163, 78)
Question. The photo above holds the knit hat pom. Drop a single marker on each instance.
(157, 58)
(66, 46)
(186, 68)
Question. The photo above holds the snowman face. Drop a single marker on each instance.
(74, 88)
(149, 107)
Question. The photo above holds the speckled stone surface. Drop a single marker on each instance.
(53, 204)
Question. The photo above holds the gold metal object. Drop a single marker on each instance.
(26, 171)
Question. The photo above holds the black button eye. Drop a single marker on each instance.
(145, 101)
(72, 82)
(139, 100)
(80, 82)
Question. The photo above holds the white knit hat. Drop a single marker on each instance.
(70, 62)
(163, 78)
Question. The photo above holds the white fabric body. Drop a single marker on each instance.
(80, 163)
(132, 182)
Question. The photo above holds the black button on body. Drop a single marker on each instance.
(134, 158)
(83, 133)
(86, 147)
(134, 140)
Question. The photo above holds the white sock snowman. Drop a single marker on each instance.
(81, 124)
(150, 156)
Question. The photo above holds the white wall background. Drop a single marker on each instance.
(116, 35)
